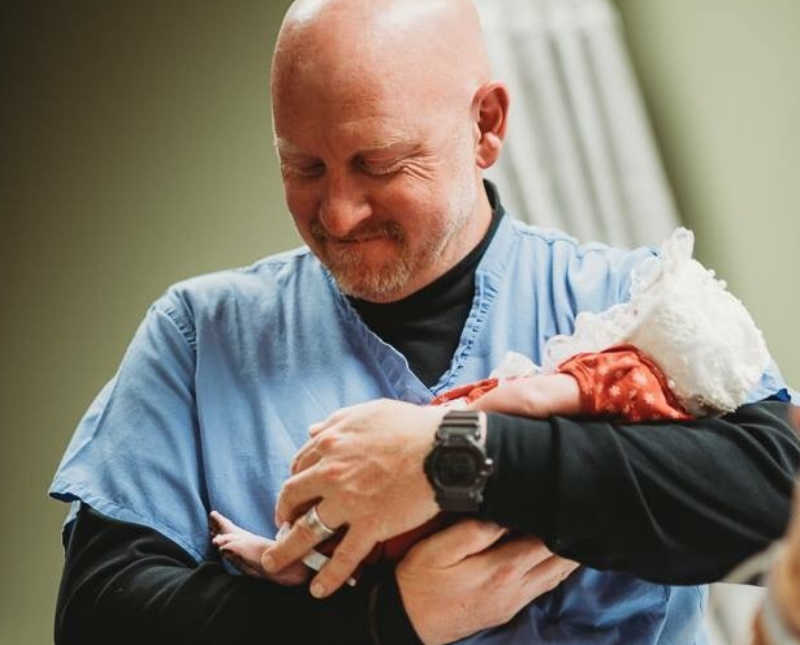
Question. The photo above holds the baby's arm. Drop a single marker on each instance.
(537, 397)
(243, 550)
(619, 382)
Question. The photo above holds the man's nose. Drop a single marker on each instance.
(344, 206)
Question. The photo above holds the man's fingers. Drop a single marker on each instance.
(296, 494)
(521, 553)
(547, 575)
(320, 444)
(306, 457)
(347, 555)
(300, 539)
(315, 428)
(453, 544)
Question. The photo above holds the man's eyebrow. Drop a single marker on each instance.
(398, 147)
(394, 148)
(285, 147)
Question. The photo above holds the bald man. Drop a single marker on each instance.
(413, 281)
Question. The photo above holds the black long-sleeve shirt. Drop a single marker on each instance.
(128, 584)
(668, 502)
(676, 503)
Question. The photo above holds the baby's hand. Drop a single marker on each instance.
(243, 550)
(537, 397)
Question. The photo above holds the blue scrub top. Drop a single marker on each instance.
(216, 392)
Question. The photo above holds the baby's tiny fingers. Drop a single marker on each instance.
(221, 524)
(222, 539)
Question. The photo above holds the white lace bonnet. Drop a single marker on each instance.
(698, 333)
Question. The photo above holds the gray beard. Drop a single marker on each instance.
(382, 283)
(390, 279)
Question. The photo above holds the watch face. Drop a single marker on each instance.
(458, 468)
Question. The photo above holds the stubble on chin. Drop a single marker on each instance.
(388, 280)
(347, 265)
(375, 283)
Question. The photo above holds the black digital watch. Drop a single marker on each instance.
(457, 466)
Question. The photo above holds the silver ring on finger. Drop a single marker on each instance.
(319, 529)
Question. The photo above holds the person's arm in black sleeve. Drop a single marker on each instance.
(674, 503)
(124, 583)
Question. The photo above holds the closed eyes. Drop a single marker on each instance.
(318, 169)
(380, 169)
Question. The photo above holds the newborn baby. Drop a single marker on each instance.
(682, 346)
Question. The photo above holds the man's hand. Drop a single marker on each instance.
(453, 584)
(362, 467)
(537, 397)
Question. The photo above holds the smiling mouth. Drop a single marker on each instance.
(360, 240)
(386, 231)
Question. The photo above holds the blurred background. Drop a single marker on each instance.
(136, 151)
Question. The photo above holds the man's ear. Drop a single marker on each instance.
(490, 110)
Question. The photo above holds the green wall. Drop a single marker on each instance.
(137, 151)
(722, 86)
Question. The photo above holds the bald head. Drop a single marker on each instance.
(431, 47)
(385, 118)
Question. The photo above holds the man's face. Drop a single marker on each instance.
(379, 185)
